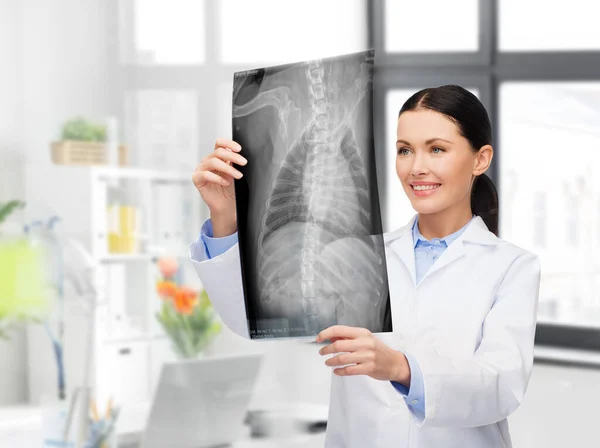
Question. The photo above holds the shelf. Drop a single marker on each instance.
(107, 173)
(135, 337)
(119, 258)
(169, 214)
(123, 258)
(104, 172)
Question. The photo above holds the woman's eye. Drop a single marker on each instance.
(439, 150)
(402, 152)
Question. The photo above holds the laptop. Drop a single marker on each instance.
(201, 403)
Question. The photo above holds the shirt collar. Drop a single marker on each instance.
(419, 239)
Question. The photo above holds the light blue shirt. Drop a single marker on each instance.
(426, 253)
(214, 247)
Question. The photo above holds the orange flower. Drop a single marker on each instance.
(167, 266)
(166, 289)
(185, 299)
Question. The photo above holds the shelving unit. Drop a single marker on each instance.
(130, 346)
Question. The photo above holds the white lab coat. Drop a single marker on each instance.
(469, 323)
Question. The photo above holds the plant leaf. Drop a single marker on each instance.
(9, 207)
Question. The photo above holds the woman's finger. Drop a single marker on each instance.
(219, 165)
(226, 143)
(229, 156)
(358, 369)
(201, 178)
(345, 345)
(350, 358)
(342, 331)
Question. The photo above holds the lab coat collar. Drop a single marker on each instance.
(401, 242)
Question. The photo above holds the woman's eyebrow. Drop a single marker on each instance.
(428, 142)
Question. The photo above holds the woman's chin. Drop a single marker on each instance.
(426, 207)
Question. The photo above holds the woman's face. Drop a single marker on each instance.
(434, 162)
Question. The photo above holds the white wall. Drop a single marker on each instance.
(12, 367)
(65, 68)
(54, 66)
(11, 88)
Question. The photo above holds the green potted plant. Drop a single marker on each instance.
(80, 129)
(83, 142)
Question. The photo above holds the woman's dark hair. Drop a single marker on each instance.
(473, 122)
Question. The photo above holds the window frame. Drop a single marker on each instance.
(491, 68)
(401, 59)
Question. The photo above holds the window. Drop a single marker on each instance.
(572, 216)
(289, 31)
(432, 26)
(536, 69)
(549, 139)
(163, 128)
(540, 218)
(536, 25)
(596, 243)
(544, 125)
(225, 99)
(167, 32)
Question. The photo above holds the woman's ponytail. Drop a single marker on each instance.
(484, 202)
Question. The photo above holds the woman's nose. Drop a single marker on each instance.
(419, 165)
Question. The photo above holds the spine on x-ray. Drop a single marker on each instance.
(322, 184)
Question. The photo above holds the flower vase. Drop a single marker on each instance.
(186, 315)
(187, 358)
(185, 355)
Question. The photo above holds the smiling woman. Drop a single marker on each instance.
(442, 168)
(463, 301)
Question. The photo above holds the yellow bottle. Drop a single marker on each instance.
(123, 229)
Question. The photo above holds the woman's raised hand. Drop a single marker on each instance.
(214, 180)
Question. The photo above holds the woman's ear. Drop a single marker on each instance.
(483, 160)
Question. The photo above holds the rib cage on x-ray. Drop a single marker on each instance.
(308, 213)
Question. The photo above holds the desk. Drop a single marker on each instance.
(21, 427)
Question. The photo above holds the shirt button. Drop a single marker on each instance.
(415, 401)
(436, 242)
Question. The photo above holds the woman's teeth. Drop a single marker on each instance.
(425, 187)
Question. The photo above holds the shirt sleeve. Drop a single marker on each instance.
(413, 395)
(207, 246)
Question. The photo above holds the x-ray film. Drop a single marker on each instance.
(309, 222)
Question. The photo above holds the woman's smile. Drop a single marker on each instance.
(423, 189)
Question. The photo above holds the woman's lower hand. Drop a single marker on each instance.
(366, 353)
